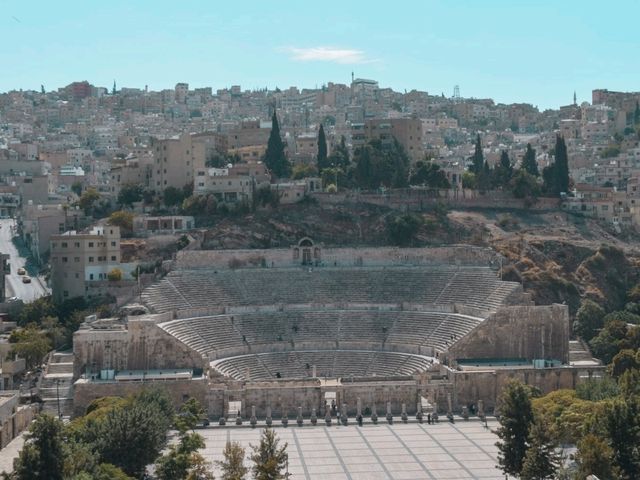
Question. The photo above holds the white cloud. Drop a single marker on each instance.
(327, 54)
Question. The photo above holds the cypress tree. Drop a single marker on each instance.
(529, 163)
(636, 114)
(477, 161)
(275, 158)
(561, 167)
(504, 170)
(541, 461)
(322, 149)
(516, 415)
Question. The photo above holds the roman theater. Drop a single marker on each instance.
(280, 332)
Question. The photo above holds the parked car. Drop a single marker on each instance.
(26, 279)
(22, 271)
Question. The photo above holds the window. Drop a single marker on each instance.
(90, 244)
(77, 275)
(91, 276)
(76, 244)
(64, 259)
(113, 244)
(65, 293)
(113, 258)
(76, 259)
(90, 259)
(64, 245)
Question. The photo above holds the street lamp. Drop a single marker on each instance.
(58, 396)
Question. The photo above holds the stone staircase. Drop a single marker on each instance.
(579, 354)
(57, 385)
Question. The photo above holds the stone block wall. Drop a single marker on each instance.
(368, 257)
(144, 346)
(84, 392)
(530, 332)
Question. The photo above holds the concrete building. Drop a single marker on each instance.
(407, 131)
(175, 160)
(145, 225)
(78, 258)
(234, 184)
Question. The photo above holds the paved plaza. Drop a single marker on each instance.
(464, 450)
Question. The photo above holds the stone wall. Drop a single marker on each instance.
(289, 395)
(84, 392)
(470, 386)
(530, 332)
(419, 200)
(370, 257)
(15, 422)
(144, 346)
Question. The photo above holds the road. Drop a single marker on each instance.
(27, 292)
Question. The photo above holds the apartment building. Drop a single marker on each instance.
(175, 160)
(79, 258)
(407, 131)
(234, 184)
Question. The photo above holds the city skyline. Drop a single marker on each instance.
(483, 49)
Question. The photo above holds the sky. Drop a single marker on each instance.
(538, 52)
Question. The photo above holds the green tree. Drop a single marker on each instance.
(469, 181)
(181, 460)
(269, 458)
(477, 160)
(541, 460)
(556, 176)
(594, 457)
(428, 174)
(503, 172)
(190, 413)
(610, 340)
(42, 457)
(525, 185)
(122, 219)
(636, 114)
(301, 170)
(232, 466)
(321, 159)
(88, 199)
(589, 319)
(30, 343)
(173, 196)
(132, 436)
(129, 194)
(402, 229)
(624, 360)
(340, 155)
(76, 187)
(381, 165)
(114, 275)
(529, 163)
(275, 158)
(623, 430)
(516, 415)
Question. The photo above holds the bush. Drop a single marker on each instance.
(114, 275)
(401, 230)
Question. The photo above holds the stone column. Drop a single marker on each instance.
(253, 420)
(374, 414)
(343, 418)
(419, 411)
(359, 411)
(269, 420)
(314, 418)
(404, 416)
(389, 415)
(299, 418)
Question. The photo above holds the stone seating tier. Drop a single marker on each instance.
(329, 363)
(407, 331)
(201, 289)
